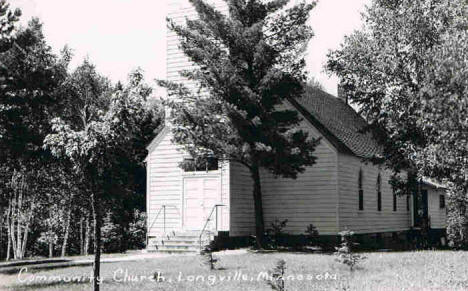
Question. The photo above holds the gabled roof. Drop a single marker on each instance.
(338, 122)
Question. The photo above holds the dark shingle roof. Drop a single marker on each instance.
(338, 122)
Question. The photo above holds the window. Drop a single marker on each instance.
(442, 201)
(407, 202)
(379, 193)
(361, 191)
(209, 164)
(394, 201)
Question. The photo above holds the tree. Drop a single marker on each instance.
(407, 70)
(8, 19)
(97, 150)
(30, 75)
(248, 64)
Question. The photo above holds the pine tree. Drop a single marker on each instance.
(249, 63)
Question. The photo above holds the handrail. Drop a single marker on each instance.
(208, 220)
(163, 208)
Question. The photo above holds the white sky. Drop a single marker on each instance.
(120, 35)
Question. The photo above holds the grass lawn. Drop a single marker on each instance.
(426, 270)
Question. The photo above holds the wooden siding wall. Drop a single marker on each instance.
(438, 217)
(241, 202)
(310, 199)
(368, 220)
(223, 212)
(179, 10)
(165, 187)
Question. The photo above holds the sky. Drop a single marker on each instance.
(120, 35)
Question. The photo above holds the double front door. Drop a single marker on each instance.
(201, 194)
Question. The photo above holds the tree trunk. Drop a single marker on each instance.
(26, 227)
(51, 249)
(8, 232)
(13, 219)
(97, 220)
(258, 206)
(81, 237)
(67, 227)
(18, 231)
(87, 236)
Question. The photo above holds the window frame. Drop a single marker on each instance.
(442, 202)
(360, 192)
(379, 192)
(199, 171)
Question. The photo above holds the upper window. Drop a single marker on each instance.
(442, 201)
(190, 165)
(361, 191)
(379, 192)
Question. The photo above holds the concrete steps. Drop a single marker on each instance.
(179, 242)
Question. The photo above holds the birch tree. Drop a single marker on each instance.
(95, 151)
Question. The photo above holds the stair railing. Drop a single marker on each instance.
(163, 210)
(215, 208)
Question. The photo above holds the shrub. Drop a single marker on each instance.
(137, 231)
(344, 253)
(275, 233)
(276, 280)
(207, 256)
(312, 234)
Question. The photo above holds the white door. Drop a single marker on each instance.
(200, 196)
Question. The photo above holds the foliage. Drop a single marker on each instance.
(275, 233)
(137, 231)
(207, 256)
(106, 149)
(8, 19)
(247, 65)
(407, 71)
(276, 282)
(30, 77)
(344, 253)
(312, 234)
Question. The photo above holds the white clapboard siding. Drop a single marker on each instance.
(437, 216)
(164, 186)
(223, 212)
(242, 219)
(179, 11)
(369, 220)
(309, 199)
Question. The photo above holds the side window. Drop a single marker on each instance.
(394, 201)
(361, 191)
(407, 202)
(379, 192)
(442, 201)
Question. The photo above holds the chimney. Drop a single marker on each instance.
(342, 93)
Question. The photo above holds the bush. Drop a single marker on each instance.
(344, 252)
(137, 231)
(207, 256)
(276, 280)
(275, 234)
(312, 235)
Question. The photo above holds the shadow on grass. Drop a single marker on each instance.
(39, 268)
(47, 285)
(31, 262)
